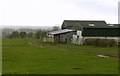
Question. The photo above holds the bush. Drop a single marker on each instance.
(100, 42)
(112, 43)
(88, 42)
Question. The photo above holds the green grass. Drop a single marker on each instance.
(22, 56)
(0, 56)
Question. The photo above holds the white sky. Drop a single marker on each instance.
(53, 12)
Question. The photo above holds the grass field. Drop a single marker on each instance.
(0, 55)
(22, 56)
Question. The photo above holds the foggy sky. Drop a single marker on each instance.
(53, 12)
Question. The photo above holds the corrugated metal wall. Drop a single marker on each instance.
(101, 32)
(64, 37)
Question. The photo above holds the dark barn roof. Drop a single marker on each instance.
(114, 25)
(86, 24)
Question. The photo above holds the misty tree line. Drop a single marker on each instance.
(40, 34)
(22, 34)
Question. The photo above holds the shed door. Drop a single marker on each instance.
(57, 38)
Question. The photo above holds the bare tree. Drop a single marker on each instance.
(55, 28)
(77, 27)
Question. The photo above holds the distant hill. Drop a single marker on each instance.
(27, 27)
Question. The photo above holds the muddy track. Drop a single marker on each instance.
(35, 45)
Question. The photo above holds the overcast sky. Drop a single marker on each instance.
(53, 12)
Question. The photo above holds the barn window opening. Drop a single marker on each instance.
(91, 24)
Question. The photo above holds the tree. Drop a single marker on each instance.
(15, 34)
(6, 32)
(77, 27)
(30, 35)
(41, 34)
(55, 28)
(37, 34)
(23, 35)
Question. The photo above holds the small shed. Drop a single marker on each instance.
(61, 36)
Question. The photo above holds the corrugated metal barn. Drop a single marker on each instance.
(76, 31)
(93, 28)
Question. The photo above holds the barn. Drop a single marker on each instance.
(82, 29)
(92, 29)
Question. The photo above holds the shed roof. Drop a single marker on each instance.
(87, 23)
(60, 31)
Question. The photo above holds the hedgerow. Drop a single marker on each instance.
(100, 42)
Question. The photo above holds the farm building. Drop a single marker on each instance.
(89, 29)
(61, 36)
